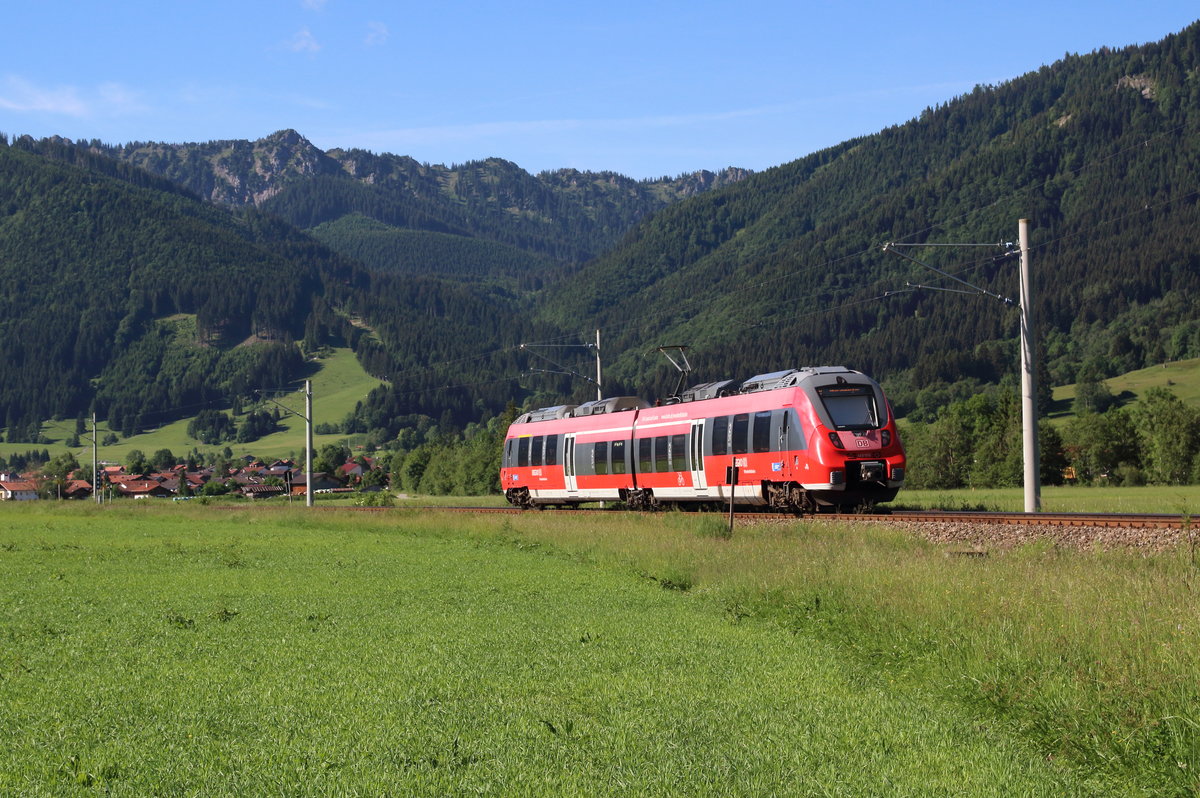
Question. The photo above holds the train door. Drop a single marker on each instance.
(569, 464)
(697, 455)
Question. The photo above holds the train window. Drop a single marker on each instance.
(646, 455)
(618, 457)
(791, 433)
(661, 460)
(584, 462)
(741, 433)
(535, 450)
(601, 457)
(551, 450)
(720, 435)
(523, 452)
(762, 431)
(508, 452)
(678, 453)
(850, 406)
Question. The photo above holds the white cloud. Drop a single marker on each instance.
(18, 94)
(377, 33)
(106, 100)
(304, 42)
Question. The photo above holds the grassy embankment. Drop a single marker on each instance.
(168, 648)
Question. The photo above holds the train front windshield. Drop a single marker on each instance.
(850, 407)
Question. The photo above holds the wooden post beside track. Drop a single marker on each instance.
(731, 476)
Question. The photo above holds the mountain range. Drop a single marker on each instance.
(148, 281)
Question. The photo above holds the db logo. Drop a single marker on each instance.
(862, 443)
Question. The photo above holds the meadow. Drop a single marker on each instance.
(173, 649)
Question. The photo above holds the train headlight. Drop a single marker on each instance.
(835, 440)
(885, 437)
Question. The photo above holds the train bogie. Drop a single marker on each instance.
(800, 439)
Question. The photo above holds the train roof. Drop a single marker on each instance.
(787, 378)
(791, 377)
(614, 404)
(546, 414)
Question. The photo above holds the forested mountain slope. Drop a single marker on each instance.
(92, 251)
(787, 268)
(136, 295)
(565, 215)
(124, 294)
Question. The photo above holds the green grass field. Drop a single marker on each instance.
(171, 649)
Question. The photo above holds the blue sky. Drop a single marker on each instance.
(642, 88)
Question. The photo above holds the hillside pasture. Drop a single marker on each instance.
(338, 381)
(1180, 377)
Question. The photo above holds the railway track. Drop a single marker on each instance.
(969, 533)
(1099, 520)
(1104, 520)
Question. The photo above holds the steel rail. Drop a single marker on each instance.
(1113, 520)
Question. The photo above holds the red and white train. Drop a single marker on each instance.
(800, 439)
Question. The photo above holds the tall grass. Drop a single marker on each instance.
(1092, 656)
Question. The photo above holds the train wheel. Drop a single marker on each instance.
(641, 500)
(519, 497)
(799, 500)
(791, 497)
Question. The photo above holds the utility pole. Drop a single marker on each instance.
(558, 369)
(308, 444)
(599, 390)
(308, 435)
(1029, 414)
(95, 464)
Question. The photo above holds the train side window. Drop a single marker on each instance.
(584, 459)
(618, 457)
(551, 450)
(741, 433)
(792, 432)
(601, 458)
(720, 435)
(762, 431)
(661, 459)
(535, 450)
(646, 455)
(523, 452)
(508, 452)
(679, 453)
